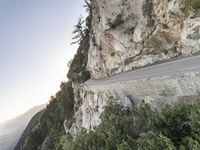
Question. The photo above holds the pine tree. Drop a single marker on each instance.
(78, 31)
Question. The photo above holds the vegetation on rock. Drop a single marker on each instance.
(176, 127)
(113, 24)
(193, 5)
(147, 8)
(48, 132)
(78, 68)
(33, 122)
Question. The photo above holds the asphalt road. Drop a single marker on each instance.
(176, 67)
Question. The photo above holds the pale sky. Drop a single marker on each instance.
(35, 37)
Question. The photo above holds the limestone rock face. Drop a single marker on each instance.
(89, 106)
(128, 34)
(155, 91)
(190, 36)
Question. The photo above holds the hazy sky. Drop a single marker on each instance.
(35, 37)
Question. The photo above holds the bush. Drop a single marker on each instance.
(147, 8)
(118, 129)
(191, 4)
(173, 122)
(176, 127)
(189, 143)
(195, 4)
(118, 20)
(179, 121)
(154, 141)
(65, 143)
(52, 140)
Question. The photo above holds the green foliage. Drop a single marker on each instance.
(179, 121)
(118, 130)
(65, 143)
(60, 107)
(77, 71)
(194, 121)
(189, 143)
(195, 4)
(52, 141)
(28, 130)
(36, 138)
(174, 122)
(91, 141)
(154, 141)
(124, 146)
(191, 5)
(147, 8)
(176, 127)
(49, 132)
(113, 24)
(78, 68)
(78, 31)
(50, 128)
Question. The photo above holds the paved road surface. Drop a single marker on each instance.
(176, 67)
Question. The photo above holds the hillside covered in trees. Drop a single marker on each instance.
(175, 127)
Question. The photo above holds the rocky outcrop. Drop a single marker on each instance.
(157, 92)
(90, 105)
(128, 34)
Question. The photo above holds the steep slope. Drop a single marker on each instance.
(33, 122)
(133, 34)
(121, 36)
(48, 132)
(10, 131)
(129, 34)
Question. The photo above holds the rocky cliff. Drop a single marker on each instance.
(129, 34)
(121, 39)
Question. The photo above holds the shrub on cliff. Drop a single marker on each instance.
(189, 143)
(119, 129)
(113, 24)
(193, 5)
(179, 121)
(154, 141)
(176, 127)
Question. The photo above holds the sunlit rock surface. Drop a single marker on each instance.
(127, 34)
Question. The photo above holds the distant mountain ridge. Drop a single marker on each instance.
(11, 130)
